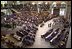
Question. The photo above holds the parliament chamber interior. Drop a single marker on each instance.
(35, 24)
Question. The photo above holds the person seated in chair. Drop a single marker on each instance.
(47, 33)
(52, 35)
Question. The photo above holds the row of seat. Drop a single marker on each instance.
(25, 17)
(56, 37)
(27, 35)
(30, 7)
(7, 43)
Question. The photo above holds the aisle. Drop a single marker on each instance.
(69, 40)
(40, 42)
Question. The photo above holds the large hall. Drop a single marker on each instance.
(35, 24)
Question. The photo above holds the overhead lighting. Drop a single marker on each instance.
(5, 19)
(54, 3)
(46, 3)
(33, 3)
(63, 3)
(18, 2)
(3, 2)
(39, 3)
(13, 3)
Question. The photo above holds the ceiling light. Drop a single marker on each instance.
(46, 3)
(33, 3)
(39, 3)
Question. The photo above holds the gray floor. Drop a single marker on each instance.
(69, 40)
